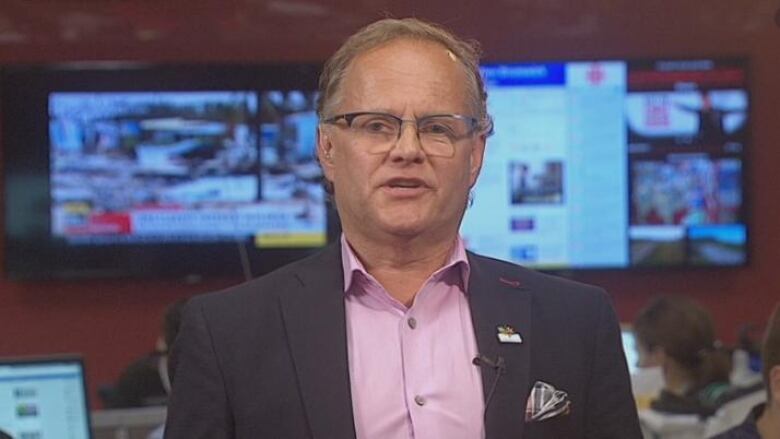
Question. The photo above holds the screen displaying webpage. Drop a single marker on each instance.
(612, 164)
(43, 401)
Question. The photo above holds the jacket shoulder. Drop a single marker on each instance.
(269, 286)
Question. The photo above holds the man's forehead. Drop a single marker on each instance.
(405, 60)
(411, 46)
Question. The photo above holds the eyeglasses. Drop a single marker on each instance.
(438, 133)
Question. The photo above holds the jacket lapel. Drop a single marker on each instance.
(499, 299)
(315, 322)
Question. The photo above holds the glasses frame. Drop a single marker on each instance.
(473, 122)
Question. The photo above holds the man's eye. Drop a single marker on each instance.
(377, 126)
(437, 128)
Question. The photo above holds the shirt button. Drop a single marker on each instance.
(412, 322)
(419, 400)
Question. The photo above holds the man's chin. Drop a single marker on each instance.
(403, 230)
(408, 228)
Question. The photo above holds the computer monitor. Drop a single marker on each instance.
(629, 347)
(44, 398)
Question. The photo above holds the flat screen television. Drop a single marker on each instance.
(116, 170)
(614, 164)
(149, 170)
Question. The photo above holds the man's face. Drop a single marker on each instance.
(404, 192)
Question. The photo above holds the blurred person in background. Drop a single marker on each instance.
(171, 326)
(763, 422)
(677, 335)
(145, 382)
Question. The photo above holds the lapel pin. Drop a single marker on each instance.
(507, 334)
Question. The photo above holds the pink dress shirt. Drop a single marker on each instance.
(411, 368)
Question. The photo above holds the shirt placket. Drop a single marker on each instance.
(413, 331)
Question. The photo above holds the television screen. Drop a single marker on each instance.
(139, 167)
(614, 164)
(160, 170)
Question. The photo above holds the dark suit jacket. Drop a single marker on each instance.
(268, 359)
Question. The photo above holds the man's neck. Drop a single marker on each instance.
(676, 381)
(403, 265)
(768, 424)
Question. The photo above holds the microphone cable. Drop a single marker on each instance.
(499, 366)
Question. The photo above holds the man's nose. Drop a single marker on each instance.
(408, 147)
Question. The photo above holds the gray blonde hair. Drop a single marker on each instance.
(383, 31)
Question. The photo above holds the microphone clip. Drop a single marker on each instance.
(498, 364)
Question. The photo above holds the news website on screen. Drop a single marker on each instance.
(613, 164)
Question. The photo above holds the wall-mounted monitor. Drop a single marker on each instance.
(156, 170)
(614, 164)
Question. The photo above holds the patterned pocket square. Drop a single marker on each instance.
(545, 402)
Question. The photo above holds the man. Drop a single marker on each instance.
(763, 422)
(396, 331)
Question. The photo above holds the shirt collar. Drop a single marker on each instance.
(352, 265)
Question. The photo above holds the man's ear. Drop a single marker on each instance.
(477, 155)
(325, 152)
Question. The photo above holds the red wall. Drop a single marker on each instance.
(112, 322)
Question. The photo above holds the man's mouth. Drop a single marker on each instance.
(405, 183)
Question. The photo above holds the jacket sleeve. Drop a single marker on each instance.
(198, 406)
(611, 408)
